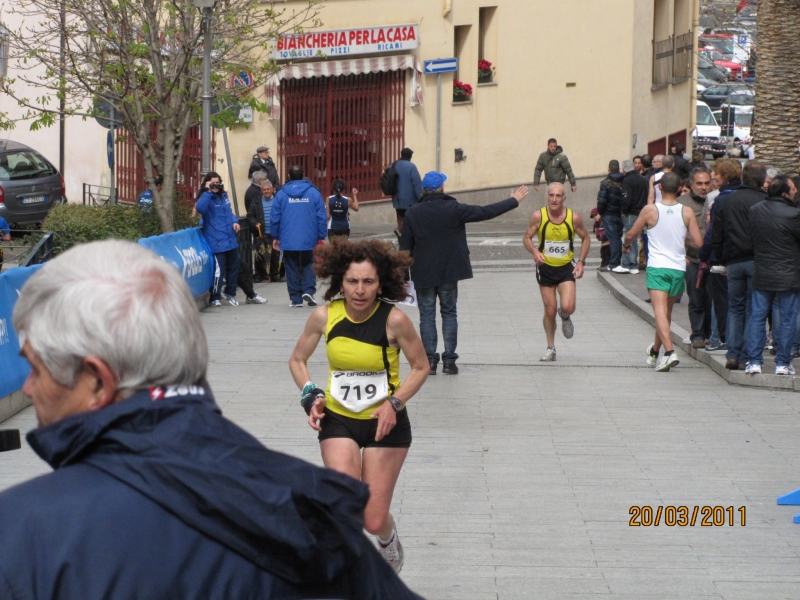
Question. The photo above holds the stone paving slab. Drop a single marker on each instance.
(522, 474)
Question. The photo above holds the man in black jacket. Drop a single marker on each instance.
(731, 242)
(634, 188)
(155, 494)
(263, 162)
(775, 231)
(609, 205)
(682, 167)
(434, 233)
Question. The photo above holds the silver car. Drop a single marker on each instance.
(29, 185)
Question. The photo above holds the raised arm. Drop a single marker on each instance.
(354, 200)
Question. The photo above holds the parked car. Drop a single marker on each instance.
(706, 136)
(706, 69)
(717, 95)
(736, 122)
(29, 185)
(733, 68)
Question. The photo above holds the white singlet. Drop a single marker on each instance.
(657, 185)
(666, 240)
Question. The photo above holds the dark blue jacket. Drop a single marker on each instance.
(218, 220)
(298, 218)
(409, 185)
(167, 499)
(706, 253)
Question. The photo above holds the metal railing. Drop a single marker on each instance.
(663, 52)
(41, 252)
(27, 247)
(96, 195)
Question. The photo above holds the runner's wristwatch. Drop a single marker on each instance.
(397, 404)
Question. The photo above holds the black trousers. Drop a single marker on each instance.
(699, 304)
(718, 290)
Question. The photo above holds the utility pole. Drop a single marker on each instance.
(206, 6)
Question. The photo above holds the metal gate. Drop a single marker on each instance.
(346, 127)
(130, 166)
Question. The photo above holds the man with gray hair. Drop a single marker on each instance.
(155, 495)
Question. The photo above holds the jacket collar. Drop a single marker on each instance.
(782, 200)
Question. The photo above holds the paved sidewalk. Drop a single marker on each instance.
(522, 474)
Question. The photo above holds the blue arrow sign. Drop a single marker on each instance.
(441, 65)
(110, 149)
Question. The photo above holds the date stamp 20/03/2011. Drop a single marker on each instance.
(683, 516)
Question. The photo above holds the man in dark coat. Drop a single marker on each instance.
(263, 162)
(609, 204)
(635, 188)
(682, 166)
(775, 231)
(732, 243)
(409, 187)
(155, 495)
(435, 235)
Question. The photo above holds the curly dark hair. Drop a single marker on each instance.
(336, 257)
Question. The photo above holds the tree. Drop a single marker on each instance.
(145, 58)
(777, 119)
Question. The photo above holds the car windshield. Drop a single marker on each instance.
(723, 45)
(717, 91)
(703, 62)
(742, 99)
(704, 116)
(741, 119)
(24, 164)
(713, 54)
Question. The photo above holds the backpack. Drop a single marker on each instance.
(389, 180)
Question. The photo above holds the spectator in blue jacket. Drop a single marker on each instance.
(154, 493)
(409, 187)
(298, 221)
(145, 199)
(220, 227)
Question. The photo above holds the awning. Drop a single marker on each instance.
(356, 66)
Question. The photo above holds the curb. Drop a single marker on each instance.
(678, 334)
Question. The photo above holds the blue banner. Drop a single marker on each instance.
(189, 252)
(13, 368)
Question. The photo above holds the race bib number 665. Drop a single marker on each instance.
(358, 390)
(556, 249)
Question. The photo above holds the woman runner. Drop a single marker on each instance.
(338, 207)
(364, 430)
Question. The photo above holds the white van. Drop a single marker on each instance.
(706, 135)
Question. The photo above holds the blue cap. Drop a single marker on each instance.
(433, 180)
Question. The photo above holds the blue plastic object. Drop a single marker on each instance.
(792, 499)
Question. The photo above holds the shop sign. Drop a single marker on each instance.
(346, 42)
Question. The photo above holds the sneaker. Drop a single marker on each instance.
(449, 369)
(567, 328)
(769, 343)
(215, 303)
(752, 369)
(715, 347)
(784, 370)
(732, 364)
(231, 300)
(652, 356)
(296, 305)
(687, 340)
(634, 271)
(257, 299)
(433, 364)
(393, 552)
(667, 362)
(604, 269)
(620, 269)
(550, 355)
(309, 299)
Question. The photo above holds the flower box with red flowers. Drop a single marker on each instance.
(485, 71)
(462, 92)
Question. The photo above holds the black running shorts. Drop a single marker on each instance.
(362, 431)
(552, 276)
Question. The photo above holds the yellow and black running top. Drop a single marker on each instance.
(556, 239)
(364, 367)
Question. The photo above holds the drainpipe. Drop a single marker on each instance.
(693, 92)
(448, 4)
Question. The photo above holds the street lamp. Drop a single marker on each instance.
(206, 6)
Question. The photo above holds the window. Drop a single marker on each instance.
(24, 165)
(663, 44)
(487, 37)
(704, 116)
(461, 33)
(3, 51)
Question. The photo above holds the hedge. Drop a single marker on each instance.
(77, 223)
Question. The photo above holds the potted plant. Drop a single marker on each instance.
(462, 92)
(485, 71)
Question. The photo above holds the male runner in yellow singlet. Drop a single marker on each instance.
(555, 226)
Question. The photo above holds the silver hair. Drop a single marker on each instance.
(627, 165)
(258, 177)
(266, 182)
(773, 172)
(563, 188)
(119, 302)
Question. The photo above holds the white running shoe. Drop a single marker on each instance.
(393, 552)
(293, 305)
(567, 328)
(550, 355)
(752, 369)
(257, 299)
(310, 299)
(651, 358)
(667, 362)
(784, 370)
(633, 271)
(231, 299)
(215, 303)
(620, 269)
